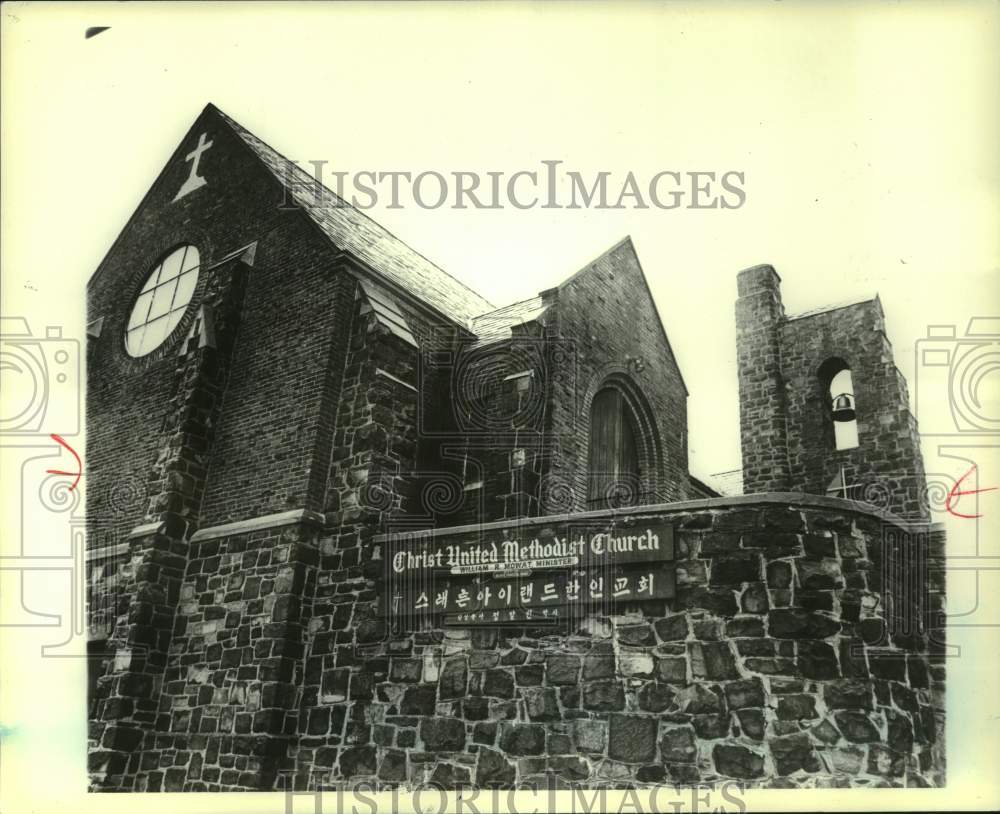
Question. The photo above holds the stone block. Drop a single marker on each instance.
(711, 727)
(752, 723)
(767, 666)
(653, 773)
(522, 739)
(541, 703)
(636, 635)
(357, 760)
(713, 660)
(796, 707)
(632, 738)
(634, 665)
(800, 624)
(707, 630)
(735, 568)
(737, 761)
(562, 669)
(447, 776)
(678, 745)
(673, 670)
(655, 697)
(856, 727)
(815, 575)
(485, 733)
(746, 693)
(604, 696)
(817, 660)
(697, 699)
(514, 657)
(393, 768)
(744, 626)
(826, 732)
(493, 770)
(407, 670)
(885, 762)
(498, 683)
(755, 599)
(591, 736)
(794, 752)
(569, 767)
(453, 682)
(848, 694)
(900, 736)
(443, 734)
(673, 628)
(891, 667)
(419, 700)
(475, 708)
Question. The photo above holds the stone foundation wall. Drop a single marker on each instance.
(773, 665)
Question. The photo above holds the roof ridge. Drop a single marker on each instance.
(834, 306)
(508, 305)
(590, 263)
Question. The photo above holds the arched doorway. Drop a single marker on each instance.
(614, 470)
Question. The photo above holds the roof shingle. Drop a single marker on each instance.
(375, 246)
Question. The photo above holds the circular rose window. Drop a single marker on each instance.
(162, 301)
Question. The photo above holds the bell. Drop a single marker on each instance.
(843, 407)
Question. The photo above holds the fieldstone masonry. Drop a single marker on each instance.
(786, 428)
(771, 666)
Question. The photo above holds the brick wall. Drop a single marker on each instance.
(274, 438)
(268, 432)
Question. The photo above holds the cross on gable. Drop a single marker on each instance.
(194, 181)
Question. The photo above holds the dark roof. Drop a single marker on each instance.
(375, 246)
(495, 326)
(727, 484)
(701, 486)
(831, 307)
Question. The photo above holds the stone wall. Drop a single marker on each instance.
(525, 452)
(786, 428)
(887, 465)
(606, 317)
(773, 665)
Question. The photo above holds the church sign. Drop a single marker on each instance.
(527, 571)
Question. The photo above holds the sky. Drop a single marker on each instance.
(866, 135)
(861, 132)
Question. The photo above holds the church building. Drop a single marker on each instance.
(349, 521)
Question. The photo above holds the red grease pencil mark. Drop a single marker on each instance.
(79, 464)
(956, 493)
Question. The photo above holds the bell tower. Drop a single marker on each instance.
(823, 407)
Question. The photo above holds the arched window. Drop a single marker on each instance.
(614, 454)
(838, 388)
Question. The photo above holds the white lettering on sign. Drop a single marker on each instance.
(544, 552)
(606, 544)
